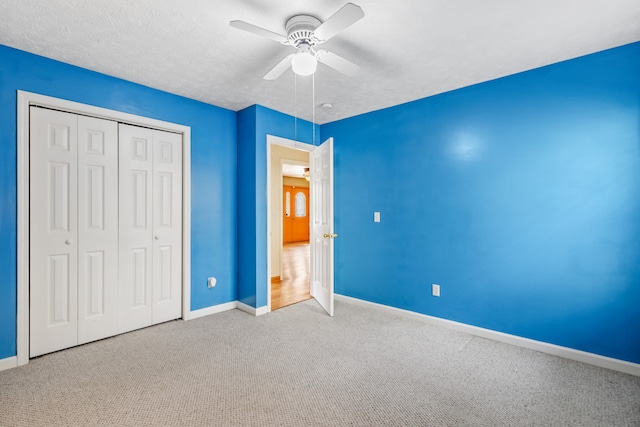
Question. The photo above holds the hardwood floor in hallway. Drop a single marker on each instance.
(294, 286)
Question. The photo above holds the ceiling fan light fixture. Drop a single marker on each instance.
(305, 33)
(304, 63)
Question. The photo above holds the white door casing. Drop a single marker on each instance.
(322, 232)
(53, 231)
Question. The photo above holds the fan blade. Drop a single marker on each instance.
(337, 62)
(259, 31)
(279, 69)
(343, 18)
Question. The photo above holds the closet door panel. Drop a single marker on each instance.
(167, 226)
(136, 226)
(105, 228)
(53, 231)
(98, 305)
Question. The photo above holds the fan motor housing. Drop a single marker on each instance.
(300, 29)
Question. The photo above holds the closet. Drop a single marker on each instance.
(105, 228)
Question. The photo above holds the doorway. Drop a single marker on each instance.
(321, 232)
(290, 227)
(292, 285)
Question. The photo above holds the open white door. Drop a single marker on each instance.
(321, 231)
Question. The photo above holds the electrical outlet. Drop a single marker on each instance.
(211, 282)
(435, 290)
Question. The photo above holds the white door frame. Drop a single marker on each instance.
(27, 99)
(289, 143)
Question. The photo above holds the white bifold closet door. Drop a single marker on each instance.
(150, 226)
(105, 228)
(73, 230)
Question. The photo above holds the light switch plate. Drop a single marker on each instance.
(435, 290)
(376, 217)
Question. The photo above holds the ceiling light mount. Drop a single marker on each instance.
(300, 30)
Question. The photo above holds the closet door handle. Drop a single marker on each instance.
(68, 242)
(157, 237)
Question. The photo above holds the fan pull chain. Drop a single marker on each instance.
(295, 106)
(313, 108)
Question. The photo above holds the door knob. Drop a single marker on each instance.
(67, 242)
(157, 237)
(332, 235)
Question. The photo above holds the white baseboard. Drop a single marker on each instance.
(262, 310)
(225, 307)
(555, 350)
(253, 311)
(8, 363)
(211, 310)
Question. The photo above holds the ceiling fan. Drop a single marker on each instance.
(305, 33)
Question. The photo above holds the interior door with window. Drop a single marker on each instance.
(322, 232)
(295, 223)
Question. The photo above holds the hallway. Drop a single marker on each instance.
(294, 286)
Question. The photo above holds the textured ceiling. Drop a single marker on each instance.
(407, 49)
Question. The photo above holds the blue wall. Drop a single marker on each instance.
(213, 170)
(254, 124)
(519, 196)
(246, 206)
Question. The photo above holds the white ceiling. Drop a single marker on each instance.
(407, 49)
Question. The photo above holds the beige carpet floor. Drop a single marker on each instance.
(298, 367)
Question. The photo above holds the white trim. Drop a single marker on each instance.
(213, 310)
(262, 310)
(22, 315)
(277, 140)
(543, 347)
(27, 99)
(302, 146)
(186, 224)
(253, 311)
(8, 363)
(269, 219)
